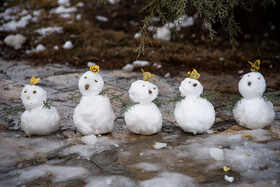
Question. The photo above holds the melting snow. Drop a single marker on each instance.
(14, 25)
(15, 41)
(101, 18)
(140, 63)
(147, 166)
(62, 9)
(102, 181)
(90, 139)
(128, 68)
(158, 145)
(68, 45)
(229, 179)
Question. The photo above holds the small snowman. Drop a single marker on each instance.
(37, 119)
(252, 111)
(94, 114)
(144, 117)
(193, 114)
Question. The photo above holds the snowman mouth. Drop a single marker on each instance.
(86, 87)
(194, 85)
(249, 83)
(150, 92)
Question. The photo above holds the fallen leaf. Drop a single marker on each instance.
(247, 135)
(226, 169)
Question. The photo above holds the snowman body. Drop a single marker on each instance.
(143, 118)
(37, 120)
(252, 111)
(193, 114)
(94, 114)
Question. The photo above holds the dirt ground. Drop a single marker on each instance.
(112, 45)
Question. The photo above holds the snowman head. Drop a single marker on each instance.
(33, 96)
(252, 85)
(91, 83)
(143, 92)
(191, 86)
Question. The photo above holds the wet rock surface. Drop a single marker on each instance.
(124, 159)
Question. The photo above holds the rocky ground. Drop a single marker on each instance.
(124, 159)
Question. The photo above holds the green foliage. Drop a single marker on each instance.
(126, 105)
(273, 97)
(11, 111)
(47, 104)
(209, 11)
(231, 103)
(211, 95)
(74, 97)
(111, 95)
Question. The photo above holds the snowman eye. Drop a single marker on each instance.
(190, 82)
(96, 80)
(25, 91)
(248, 75)
(34, 92)
(154, 88)
(259, 78)
(85, 77)
(143, 85)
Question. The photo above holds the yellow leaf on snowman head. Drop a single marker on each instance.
(34, 81)
(226, 169)
(147, 76)
(94, 68)
(255, 66)
(194, 74)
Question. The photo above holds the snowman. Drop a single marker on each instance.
(37, 119)
(144, 117)
(94, 114)
(252, 111)
(193, 114)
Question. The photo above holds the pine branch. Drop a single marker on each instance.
(111, 95)
(210, 96)
(47, 104)
(232, 102)
(126, 105)
(74, 97)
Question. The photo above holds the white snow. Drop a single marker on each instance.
(163, 33)
(158, 145)
(216, 153)
(68, 45)
(40, 48)
(89, 64)
(80, 4)
(184, 21)
(147, 166)
(229, 179)
(15, 41)
(113, 2)
(36, 13)
(137, 35)
(65, 15)
(63, 2)
(78, 16)
(49, 30)
(221, 59)
(167, 75)
(140, 63)
(240, 71)
(62, 9)
(159, 66)
(14, 25)
(169, 180)
(128, 68)
(55, 47)
(59, 173)
(90, 139)
(105, 181)
(101, 18)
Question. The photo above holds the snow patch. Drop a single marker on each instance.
(102, 18)
(15, 41)
(113, 2)
(90, 139)
(63, 2)
(62, 9)
(40, 48)
(140, 63)
(147, 166)
(163, 33)
(128, 68)
(102, 181)
(216, 153)
(229, 179)
(49, 30)
(158, 145)
(14, 25)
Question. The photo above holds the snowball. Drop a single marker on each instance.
(229, 179)
(216, 153)
(68, 45)
(167, 75)
(63, 2)
(184, 21)
(15, 41)
(140, 63)
(90, 139)
(159, 66)
(163, 33)
(40, 48)
(101, 18)
(158, 145)
(128, 68)
(49, 30)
